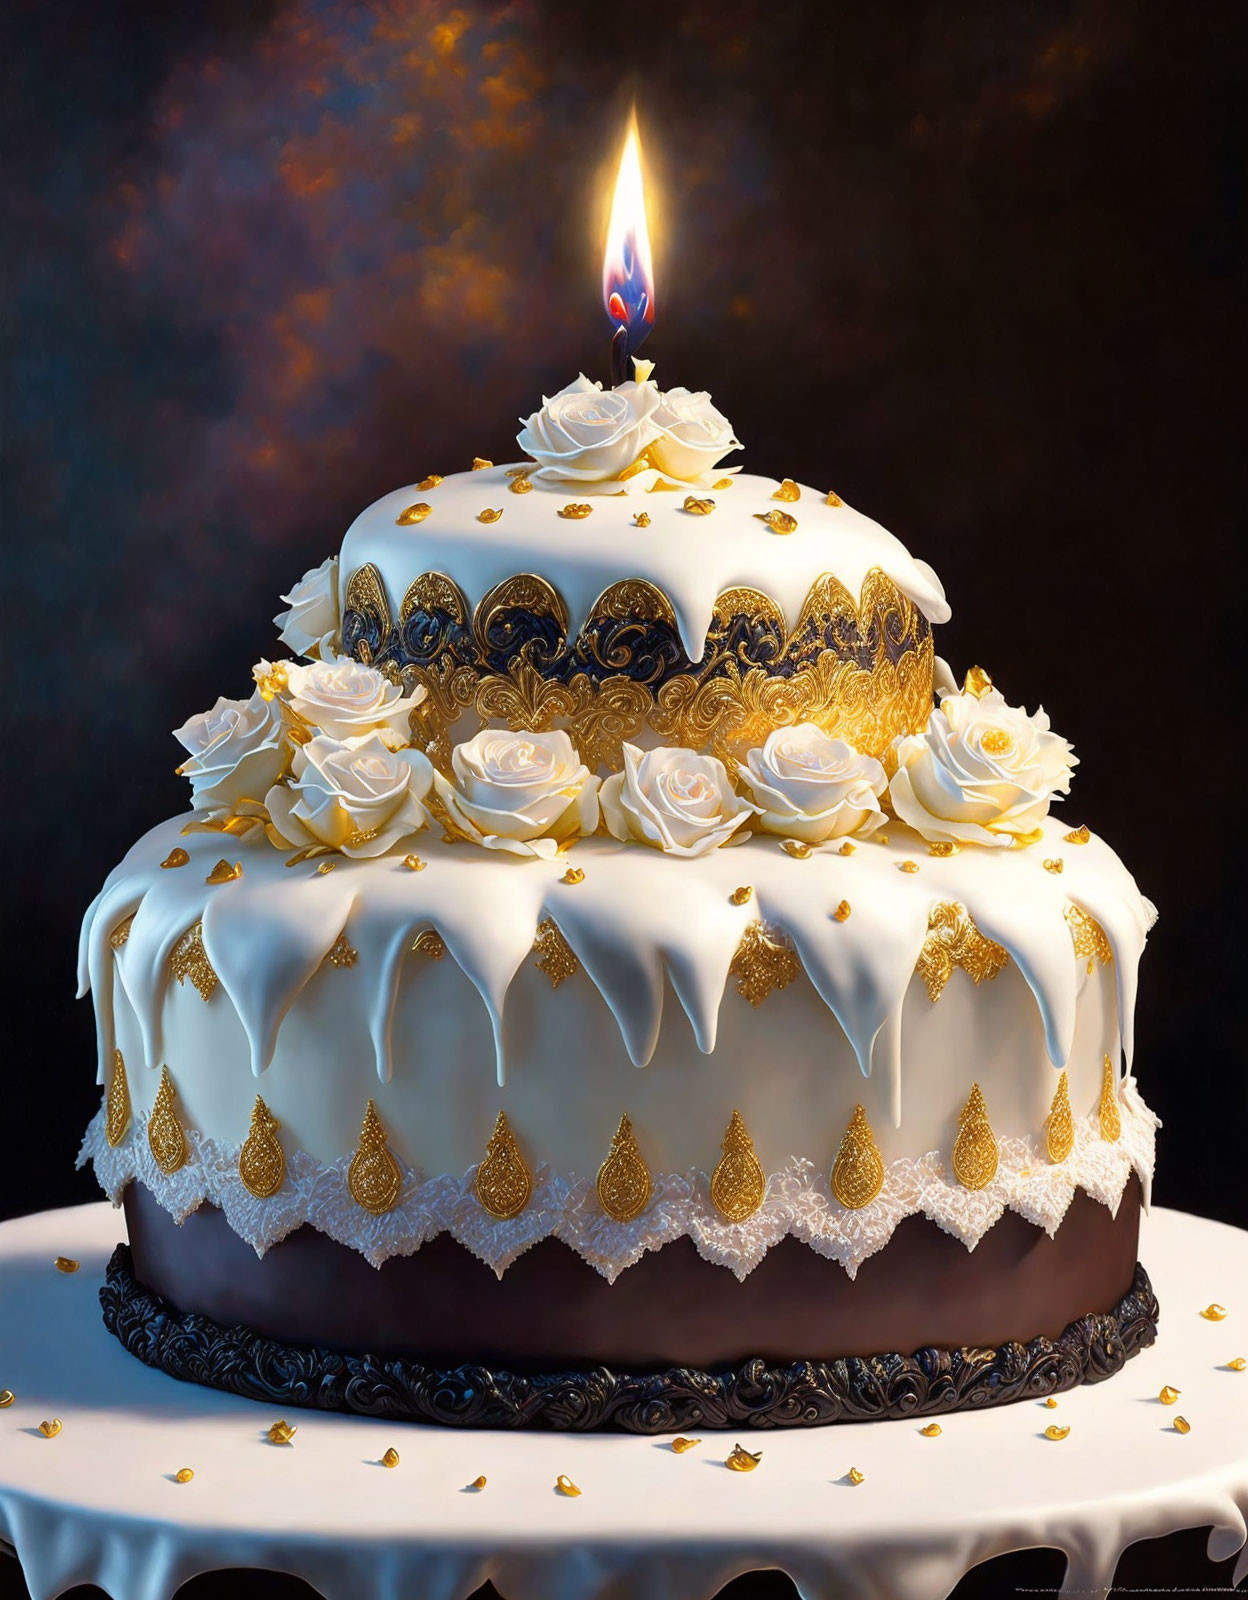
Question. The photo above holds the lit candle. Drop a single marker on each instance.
(627, 271)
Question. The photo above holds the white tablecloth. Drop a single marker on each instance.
(99, 1504)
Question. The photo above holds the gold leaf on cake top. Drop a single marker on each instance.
(778, 521)
(373, 1177)
(738, 1184)
(624, 1179)
(788, 490)
(858, 1173)
(413, 514)
(504, 1183)
(975, 1148)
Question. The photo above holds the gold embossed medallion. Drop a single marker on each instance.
(738, 1184)
(1059, 1129)
(504, 1183)
(624, 1179)
(858, 1172)
(166, 1138)
(975, 1148)
(261, 1163)
(373, 1177)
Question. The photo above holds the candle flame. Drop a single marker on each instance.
(627, 270)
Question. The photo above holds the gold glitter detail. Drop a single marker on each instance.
(342, 954)
(177, 857)
(1090, 942)
(842, 912)
(183, 1475)
(847, 849)
(1079, 835)
(996, 742)
(1168, 1395)
(479, 463)
(478, 1483)
(1111, 1117)
(624, 1179)
(737, 1184)
(565, 1485)
(763, 962)
(1214, 1312)
(223, 872)
(573, 875)
(777, 521)
(416, 513)
(952, 941)
(51, 1428)
(261, 1164)
(907, 866)
(945, 847)
(1059, 1128)
(282, 1432)
(414, 863)
(833, 499)
(521, 486)
(641, 520)
(722, 483)
(165, 1136)
(504, 1184)
(1239, 1364)
(121, 932)
(976, 682)
(430, 943)
(326, 866)
(391, 1457)
(373, 1176)
(1182, 1425)
(65, 1264)
(431, 482)
(576, 510)
(1054, 1432)
(858, 1174)
(1053, 864)
(681, 1445)
(855, 1477)
(117, 1103)
(490, 514)
(556, 956)
(743, 895)
(932, 1431)
(787, 491)
(797, 848)
(696, 507)
(740, 1460)
(7, 1397)
(975, 1148)
(189, 959)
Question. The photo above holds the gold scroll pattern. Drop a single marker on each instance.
(952, 941)
(763, 961)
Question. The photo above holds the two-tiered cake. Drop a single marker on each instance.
(615, 977)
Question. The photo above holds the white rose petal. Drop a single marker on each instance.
(525, 793)
(674, 800)
(343, 697)
(982, 772)
(313, 624)
(693, 435)
(586, 433)
(812, 787)
(236, 751)
(354, 795)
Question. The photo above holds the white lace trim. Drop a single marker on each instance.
(798, 1201)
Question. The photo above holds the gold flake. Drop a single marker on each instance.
(737, 1184)
(478, 1483)
(788, 491)
(996, 742)
(282, 1432)
(414, 863)
(189, 959)
(842, 912)
(1239, 1364)
(261, 1163)
(975, 1148)
(858, 1174)
(848, 848)
(520, 472)
(1214, 1312)
(944, 847)
(431, 482)
(521, 485)
(576, 510)
(555, 955)
(797, 848)
(1182, 1425)
(660, 485)
(270, 685)
(740, 1460)
(624, 1186)
(416, 513)
(50, 1429)
(907, 866)
(373, 1177)
(696, 507)
(743, 895)
(391, 1457)
(778, 521)
(681, 1445)
(1059, 1129)
(121, 932)
(952, 941)
(1053, 864)
(762, 962)
(65, 1264)
(504, 1183)
(855, 1477)
(833, 499)
(490, 514)
(326, 866)
(117, 1103)
(183, 1475)
(479, 463)
(429, 943)
(1079, 835)
(976, 682)
(565, 1485)
(1111, 1117)
(932, 1431)
(342, 954)
(722, 483)
(165, 1136)
(1089, 937)
(177, 857)
(1051, 1403)
(641, 520)
(7, 1397)
(1168, 1395)
(359, 836)
(573, 875)
(1055, 1433)
(223, 872)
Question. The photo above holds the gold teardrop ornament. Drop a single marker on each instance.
(1182, 1425)
(261, 1163)
(565, 1485)
(858, 1173)
(282, 1432)
(681, 1445)
(504, 1184)
(777, 521)
(50, 1428)
(183, 1475)
(740, 1460)
(165, 1137)
(7, 1397)
(624, 1179)
(975, 1148)
(478, 1483)
(932, 1431)
(176, 858)
(1059, 1130)
(373, 1176)
(1055, 1433)
(1168, 1395)
(1111, 1117)
(223, 872)
(117, 1103)
(738, 1183)
(788, 490)
(391, 1457)
(855, 1477)
(65, 1264)
(413, 514)
(1214, 1313)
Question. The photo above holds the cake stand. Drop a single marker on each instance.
(100, 1502)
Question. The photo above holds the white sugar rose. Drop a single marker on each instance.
(354, 795)
(312, 625)
(693, 435)
(586, 433)
(236, 751)
(521, 792)
(343, 697)
(812, 787)
(982, 772)
(675, 800)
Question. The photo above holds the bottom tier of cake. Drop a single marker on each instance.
(925, 1328)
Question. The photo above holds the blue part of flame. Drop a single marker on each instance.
(633, 291)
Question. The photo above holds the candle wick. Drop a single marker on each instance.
(619, 357)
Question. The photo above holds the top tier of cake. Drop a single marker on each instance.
(707, 613)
